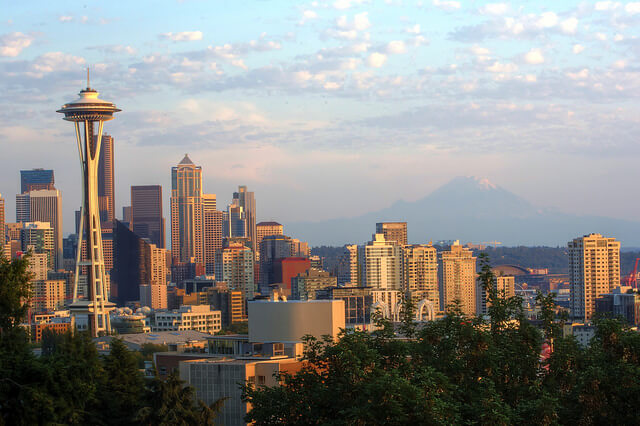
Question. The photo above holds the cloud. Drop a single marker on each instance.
(54, 62)
(414, 29)
(569, 26)
(522, 27)
(308, 15)
(183, 36)
(494, 9)
(346, 4)
(447, 4)
(396, 47)
(65, 18)
(376, 60)
(11, 44)
(619, 65)
(346, 29)
(604, 6)
(632, 8)
(116, 49)
(498, 67)
(534, 57)
(578, 48)
(580, 75)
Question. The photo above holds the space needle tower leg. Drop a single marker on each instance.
(87, 112)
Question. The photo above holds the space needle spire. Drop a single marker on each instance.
(88, 112)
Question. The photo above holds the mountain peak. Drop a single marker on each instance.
(484, 183)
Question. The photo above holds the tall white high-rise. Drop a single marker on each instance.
(383, 264)
(594, 269)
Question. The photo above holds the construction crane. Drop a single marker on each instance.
(631, 280)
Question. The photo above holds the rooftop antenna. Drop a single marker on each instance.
(88, 85)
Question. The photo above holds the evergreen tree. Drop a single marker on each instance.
(122, 388)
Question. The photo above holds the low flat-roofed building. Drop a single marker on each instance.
(178, 341)
(215, 378)
(278, 321)
(192, 317)
(58, 325)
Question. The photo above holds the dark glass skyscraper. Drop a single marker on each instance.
(146, 213)
(32, 180)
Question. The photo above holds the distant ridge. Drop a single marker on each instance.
(469, 209)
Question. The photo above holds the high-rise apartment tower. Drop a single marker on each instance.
(594, 270)
(458, 278)
(383, 264)
(393, 231)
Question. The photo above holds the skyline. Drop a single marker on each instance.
(302, 104)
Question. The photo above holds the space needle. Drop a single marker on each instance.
(86, 112)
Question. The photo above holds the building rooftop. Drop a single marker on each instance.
(269, 224)
(186, 160)
(158, 338)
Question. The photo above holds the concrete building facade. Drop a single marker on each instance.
(383, 264)
(393, 231)
(458, 278)
(420, 273)
(594, 270)
(194, 317)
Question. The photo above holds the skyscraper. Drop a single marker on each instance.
(234, 221)
(23, 207)
(383, 264)
(505, 288)
(186, 212)
(420, 269)
(264, 229)
(45, 205)
(350, 266)
(31, 180)
(146, 213)
(272, 248)
(3, 238)
(247, 201)
(136, 262)
(234, 265)
(393, 231)
(594, 270)
(212, 225)
(458, 278)
(39, 237)
(106, 187)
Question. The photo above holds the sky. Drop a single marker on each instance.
(334, 108)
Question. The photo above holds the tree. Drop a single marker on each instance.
(15, 292)
(169, 402)
(122, 387)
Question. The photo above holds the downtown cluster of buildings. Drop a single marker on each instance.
(221, 259)
(224, 267)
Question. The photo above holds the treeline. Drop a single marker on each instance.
(461, 370)
(70, 383)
